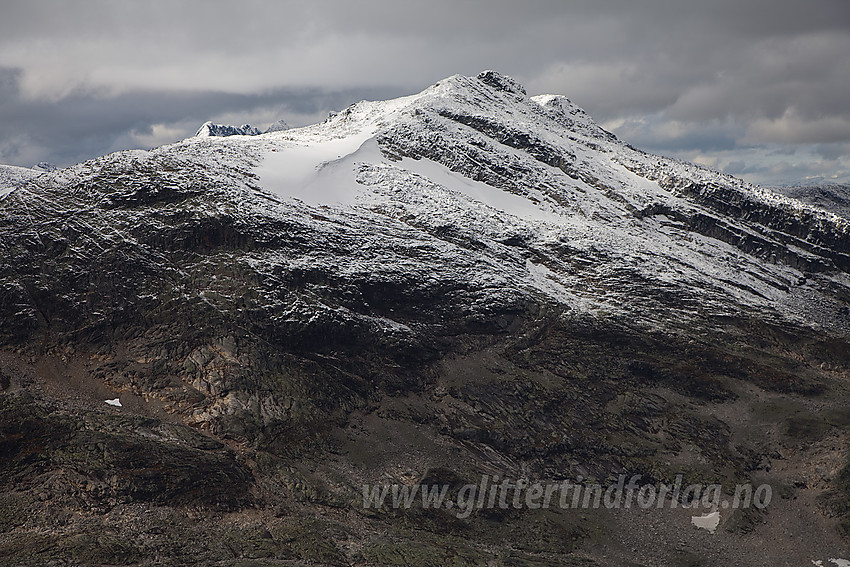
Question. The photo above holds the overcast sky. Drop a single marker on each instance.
(756, 88)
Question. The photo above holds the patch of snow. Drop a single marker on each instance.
(116, 402)
(707, 522)
(313, 173)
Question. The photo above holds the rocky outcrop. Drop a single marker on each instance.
(222, 130)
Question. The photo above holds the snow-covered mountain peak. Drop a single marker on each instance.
(508, 188)
(45, 166)
(278, 126)
(490, 94)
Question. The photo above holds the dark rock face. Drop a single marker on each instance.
(272, 358)
(774, 231)
(501, 82)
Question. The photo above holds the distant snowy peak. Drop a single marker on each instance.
(278, 126)
(221, 130)
(12, 176)
(209, 129)
(563, 111)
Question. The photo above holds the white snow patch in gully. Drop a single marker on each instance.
(707, 522)
(309, 171)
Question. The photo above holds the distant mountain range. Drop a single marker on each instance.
(222, 130)
(832, 197)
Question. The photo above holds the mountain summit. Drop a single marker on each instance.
(463, 282)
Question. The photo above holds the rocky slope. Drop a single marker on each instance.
(465, 281)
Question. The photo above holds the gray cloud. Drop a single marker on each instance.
(692, 78)
(82, 126)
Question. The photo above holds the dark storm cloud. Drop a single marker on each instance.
(693, 77)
